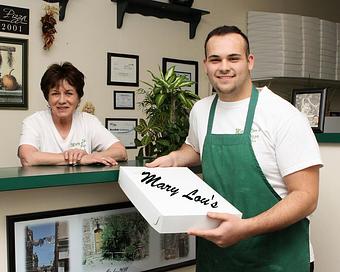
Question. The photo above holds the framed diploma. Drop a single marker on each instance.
(123, 129)
(123, 100)
(122, 69)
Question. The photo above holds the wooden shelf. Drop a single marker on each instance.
(160, 10)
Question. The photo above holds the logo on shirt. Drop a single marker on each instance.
(254, 134)
(79, 145)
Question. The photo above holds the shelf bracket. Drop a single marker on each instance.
(121, 9)
(193, 25)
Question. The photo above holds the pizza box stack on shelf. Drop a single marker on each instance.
(328, 46)
(338, 52)
(311, 47)
(276, 41)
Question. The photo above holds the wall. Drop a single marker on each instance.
(89, 31)
(84, 38)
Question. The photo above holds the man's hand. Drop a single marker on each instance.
(231, 230)
(164, 161)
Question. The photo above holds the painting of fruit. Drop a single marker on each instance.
(13, 73)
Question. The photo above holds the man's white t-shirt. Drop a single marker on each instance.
(282, 139)
(86, 133)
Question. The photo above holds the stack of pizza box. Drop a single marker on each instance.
(311, 47)
(338, 52)
(328, 49)
(276, 41)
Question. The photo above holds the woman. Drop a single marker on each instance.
(61, 135)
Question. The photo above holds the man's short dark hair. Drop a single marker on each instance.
(55, 73)
(223, 30)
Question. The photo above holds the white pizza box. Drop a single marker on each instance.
(172, 199)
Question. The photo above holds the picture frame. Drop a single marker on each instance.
(311, 102)
(91, 239)
(123, 129)
(13, 71)
(122, 69)
(123, 100)
(187, 68)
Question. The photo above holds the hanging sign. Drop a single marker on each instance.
(14, 19)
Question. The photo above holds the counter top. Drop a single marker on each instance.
(21, 178)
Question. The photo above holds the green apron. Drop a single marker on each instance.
(230, 167)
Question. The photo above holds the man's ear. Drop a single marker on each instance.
(251, 61)
(205, 66)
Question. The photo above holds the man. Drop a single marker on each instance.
(260, 153)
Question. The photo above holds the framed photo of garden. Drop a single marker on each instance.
(103, 238)
(187, 68)
(13, 72)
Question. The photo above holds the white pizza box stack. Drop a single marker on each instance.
(328, 46)
(311, 47)
(172, 199)
(338, 52)
(276, 41)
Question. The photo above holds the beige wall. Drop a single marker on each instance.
(86, 35)
(89, 32)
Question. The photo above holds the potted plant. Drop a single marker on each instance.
(167, 104)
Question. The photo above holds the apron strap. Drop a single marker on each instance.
(211, 115)
(251, 110)
(250, 114)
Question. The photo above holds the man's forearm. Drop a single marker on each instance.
(185, 156)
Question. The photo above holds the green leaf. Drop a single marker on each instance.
(160, 99)
(169, 73)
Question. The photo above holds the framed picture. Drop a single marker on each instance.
(311, 102)
(13, 72)
(124, 100)
(186, 68)
(123, 129)
(122, 69)
(110, 237)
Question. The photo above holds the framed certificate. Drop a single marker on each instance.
(123, 100)
(122, 69)
(186, 68)
(123, 129)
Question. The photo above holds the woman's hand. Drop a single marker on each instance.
(74, 156)
(98, 158)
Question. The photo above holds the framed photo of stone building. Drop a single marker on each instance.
(110, 237)
(13, 73)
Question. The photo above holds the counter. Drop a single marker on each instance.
(47, 188)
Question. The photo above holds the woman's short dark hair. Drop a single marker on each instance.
(224, 30)
(55, 73)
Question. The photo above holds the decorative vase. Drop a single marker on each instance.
(187, 3)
